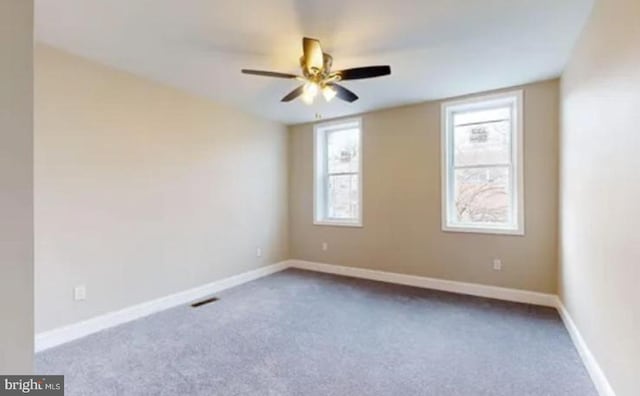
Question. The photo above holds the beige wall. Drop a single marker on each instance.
(143, 191)
(600, 179)
(402, 228)
(16, 186)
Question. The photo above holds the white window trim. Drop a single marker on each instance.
(517, 162)
(319, 174)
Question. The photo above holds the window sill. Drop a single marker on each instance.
(353, 224)
(484, 230)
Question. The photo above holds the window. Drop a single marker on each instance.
(338, 173)
(482, 165)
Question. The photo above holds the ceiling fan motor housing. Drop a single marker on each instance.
(313, 73)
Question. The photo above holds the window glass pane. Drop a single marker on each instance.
(343, 151)
(342, 197)
(482, 196)
(482, 144)
(486, 115)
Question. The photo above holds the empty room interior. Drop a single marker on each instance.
(289, 197)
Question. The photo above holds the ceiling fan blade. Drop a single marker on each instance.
(268, 73)
(313, 58)
(344, 93)
(364, 72)
(293, 94)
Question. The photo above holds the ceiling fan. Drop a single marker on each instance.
(318, 77)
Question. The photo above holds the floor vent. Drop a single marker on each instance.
(203, 302)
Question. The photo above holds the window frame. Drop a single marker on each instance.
(516, 165)
(321, 176)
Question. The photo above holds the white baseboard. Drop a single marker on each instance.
(595, 371)
(473, 289)
(61, 335)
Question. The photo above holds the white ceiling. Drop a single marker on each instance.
(436, 48)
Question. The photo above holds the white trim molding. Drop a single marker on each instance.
(595, 371)
(61, 335)
(472, 289)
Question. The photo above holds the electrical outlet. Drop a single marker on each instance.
(497, 265)
(80, 293)
(259, 252)
(325, 246)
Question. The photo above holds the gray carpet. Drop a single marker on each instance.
(303, 333)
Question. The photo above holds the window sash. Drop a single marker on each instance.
(515, 221)
(481, 122)
(328, 200)
(322, 174)
(510, 213)
(455, 167)
(343, 173)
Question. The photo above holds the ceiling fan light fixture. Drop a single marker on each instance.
(329, 93)
(310, 91)
(306, 99)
